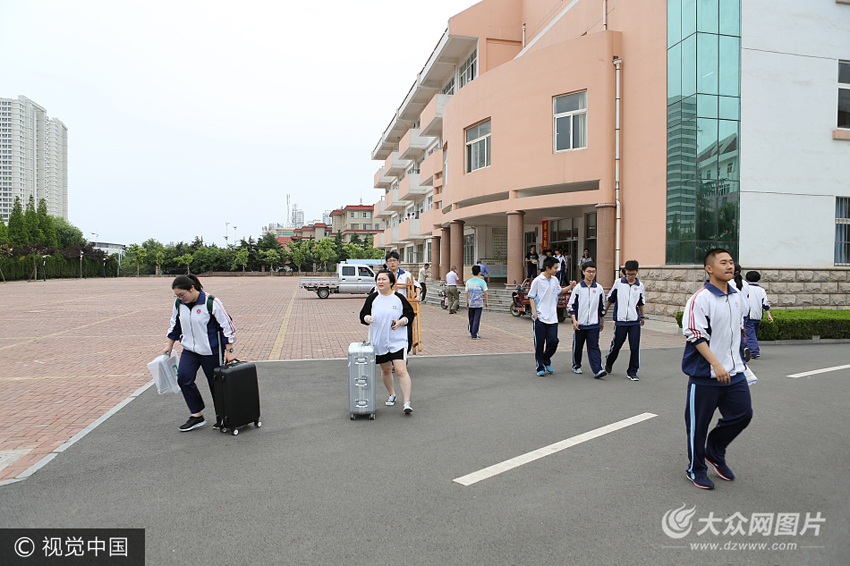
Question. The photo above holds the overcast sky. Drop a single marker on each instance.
(185, 115)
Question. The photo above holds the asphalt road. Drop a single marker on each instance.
(313, 487)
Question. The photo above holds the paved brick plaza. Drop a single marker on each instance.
(74, 349)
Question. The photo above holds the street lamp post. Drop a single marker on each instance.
(81, 264)
(226, 226)
(44, 267)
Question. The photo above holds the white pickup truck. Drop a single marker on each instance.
(350, 278)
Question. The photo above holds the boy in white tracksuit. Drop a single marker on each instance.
(758, 306)
(587, 308)
(713, 361)
(628, 296)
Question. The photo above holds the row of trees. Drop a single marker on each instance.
(34, 239)
(152, 257)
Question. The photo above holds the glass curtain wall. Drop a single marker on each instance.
(703, 127)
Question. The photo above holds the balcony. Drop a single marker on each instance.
(428, 219)
(378, 240)
(431, 119)
(394, 166)
(412, 145)
(390, 236)
(381, 180)
(392, 202)
(432, 164)
(380, 210)
(410, 190)
(409, 230)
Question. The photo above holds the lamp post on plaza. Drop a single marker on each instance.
(44, 267)
(235, 238)
(81, 264)
(226, 226)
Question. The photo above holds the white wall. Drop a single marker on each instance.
(791, 168)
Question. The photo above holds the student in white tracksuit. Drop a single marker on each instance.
(758, 306)
(713, 361)
(587, 308)
(200, 323)
(628, 297)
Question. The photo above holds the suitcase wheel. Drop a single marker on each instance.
(223, 429)
(258, 424)
(372, 417)
(235, 432)
(352, 416)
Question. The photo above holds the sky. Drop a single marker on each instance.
(184, 116)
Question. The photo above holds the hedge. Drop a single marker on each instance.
(801, 324)
(21, 268)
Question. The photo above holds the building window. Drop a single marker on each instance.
(844, 94)
(467, 70)
(469, 249)
(449, 87)
(842, 230)
(570, 121)
(478, 147)
(367, 214)
(354, 214)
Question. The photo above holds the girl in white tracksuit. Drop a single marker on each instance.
(202, 326)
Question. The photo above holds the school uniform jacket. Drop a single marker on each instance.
(587, 304)
(198, 331)
(758, 301)
(627, 298)
(717, 318)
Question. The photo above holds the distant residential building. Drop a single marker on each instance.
(355, 219)
(316, 231)
(33, 157)
(109, 248)
(296, 218)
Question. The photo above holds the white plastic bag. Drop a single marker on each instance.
(164, 372)
(751, 377)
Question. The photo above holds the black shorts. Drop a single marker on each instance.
(384, 358)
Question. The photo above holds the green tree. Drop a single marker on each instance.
(242, 257)
(268, 242)
(196, 244)
(186, 259)
(270, 258)
(137, 255)
(31, 220)
(5, 253)
(325, 252)
(68, 234)
(352, 251)
(18, 234)
(45, 223)
(4, 233)
(300, 253)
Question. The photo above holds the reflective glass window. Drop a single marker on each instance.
(730, 56)
(707, 64)
(707, 14)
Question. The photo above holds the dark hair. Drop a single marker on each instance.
(185, 282)
(588, 264)
(427, 265)
(710, 254)
(753, 276)
(476, 270)
(739, 281)
(549, 262)
(391, 254)
(390, 276)
(632, 265)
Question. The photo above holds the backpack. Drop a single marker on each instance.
(210, 299)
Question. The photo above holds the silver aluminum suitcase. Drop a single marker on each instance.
(361, 379)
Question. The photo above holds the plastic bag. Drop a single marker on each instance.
(751, 377)
(164, 372)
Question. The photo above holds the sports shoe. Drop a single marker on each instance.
(540, 373)
(701, 482)
(608, 368)
(549, 369)
(390, 401)
(192, 424)
(633, 377)
(576, 370)
(407, 408)
(722, 470)
(217, 425)
(476, 337)
(754, 356)
(600, 374)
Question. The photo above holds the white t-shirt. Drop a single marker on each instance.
(451, 278)
(385, 309)
(544, 292)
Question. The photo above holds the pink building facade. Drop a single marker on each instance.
(514, 134)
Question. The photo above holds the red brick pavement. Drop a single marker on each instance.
(73, 349)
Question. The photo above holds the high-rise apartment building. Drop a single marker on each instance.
(583, 125)
(33, 157)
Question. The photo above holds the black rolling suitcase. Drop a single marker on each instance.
(236, 396)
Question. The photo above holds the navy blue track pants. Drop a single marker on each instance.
(545, 343)
(474, 320)
(187, 371)
(591, 337)
(621, 332)
(736, 411)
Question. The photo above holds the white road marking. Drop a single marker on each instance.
(496, 469)
(817, 371)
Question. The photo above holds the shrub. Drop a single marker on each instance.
(801, 324)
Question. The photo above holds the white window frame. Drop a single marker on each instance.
(483, 141)
(468, 70)
(575, 115)
(449, 87)
(842, 86)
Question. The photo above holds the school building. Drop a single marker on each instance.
(581, 124)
